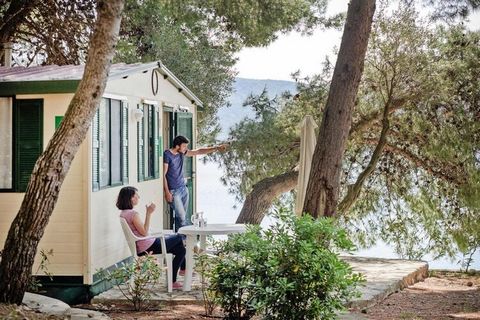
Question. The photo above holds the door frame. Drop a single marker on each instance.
(170, 131)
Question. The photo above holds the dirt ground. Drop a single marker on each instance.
(166, 312)
(444, 295)
(11, 312)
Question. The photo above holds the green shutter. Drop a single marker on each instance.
(125, 143)
(172, 131)
(141, 147)
(28, 122)
(156, 134)
(183, 126)
(96, 151)
(104, 143)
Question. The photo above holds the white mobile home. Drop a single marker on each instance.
(144, 106)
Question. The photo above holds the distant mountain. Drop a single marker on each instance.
(242, 89)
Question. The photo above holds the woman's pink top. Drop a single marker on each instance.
(142, 245)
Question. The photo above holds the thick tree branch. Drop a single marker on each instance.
(354, 190)
(260, 199)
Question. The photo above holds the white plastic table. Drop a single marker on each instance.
(192, 232)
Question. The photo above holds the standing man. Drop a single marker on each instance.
(174, 186)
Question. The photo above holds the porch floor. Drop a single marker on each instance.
(159, 293)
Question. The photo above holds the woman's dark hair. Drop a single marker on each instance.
(179, 140)
(124, 200)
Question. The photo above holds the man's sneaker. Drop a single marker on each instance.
(177, 285)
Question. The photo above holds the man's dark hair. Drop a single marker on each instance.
(179, 140)
(124, 200)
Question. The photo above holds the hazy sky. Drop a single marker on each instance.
(292, 52)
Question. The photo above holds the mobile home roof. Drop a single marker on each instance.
(62, 79)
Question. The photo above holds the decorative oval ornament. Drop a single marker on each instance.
(154, 82)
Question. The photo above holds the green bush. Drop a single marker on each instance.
(135, 280)
(203, 265)
(35, 284)
(290, 271)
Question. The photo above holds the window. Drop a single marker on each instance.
(21, 141)
(148, 143)
(110, 144)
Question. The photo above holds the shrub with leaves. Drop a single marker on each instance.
(290, 271)
(137, 279)
(35, 284)
(204, 266)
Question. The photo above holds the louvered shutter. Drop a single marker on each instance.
(184, 121)
(156, 134)
(96, 151)
(28, 120)
(184, 128)
(125, 142)
(141, 147)
(115, 136)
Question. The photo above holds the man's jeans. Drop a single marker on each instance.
(180, 206)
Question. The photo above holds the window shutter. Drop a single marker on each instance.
(96, 151)
(184, 127)
(115, 143)
(104, 143)
(184, 121)
(28, 121)
(141, 146)
(125, 142)
(156, 132)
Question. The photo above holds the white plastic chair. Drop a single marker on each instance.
(164, 257)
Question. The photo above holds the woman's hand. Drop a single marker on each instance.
(150, 208)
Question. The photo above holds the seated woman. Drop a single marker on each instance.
(129, 198)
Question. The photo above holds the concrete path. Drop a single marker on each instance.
(383, 277)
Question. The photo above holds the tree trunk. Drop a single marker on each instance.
(52, 166)
(324, 182)
(263, 193)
